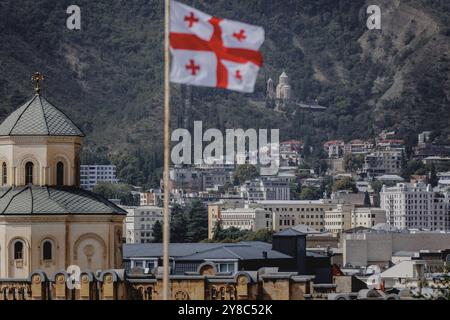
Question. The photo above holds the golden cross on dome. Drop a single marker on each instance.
(37, 78)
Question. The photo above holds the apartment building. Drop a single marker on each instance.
(383, 162)
(90, 175)
(151, 197)
(339, 218)
(415, 206)
(139, 223)
(273, 188)
(367, 217)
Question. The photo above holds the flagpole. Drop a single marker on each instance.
(166, 226)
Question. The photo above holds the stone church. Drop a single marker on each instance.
(47, 222)
(282, 93)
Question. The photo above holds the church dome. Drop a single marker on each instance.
(36, 200)
(38, 117)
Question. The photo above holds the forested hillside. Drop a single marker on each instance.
(108, 75)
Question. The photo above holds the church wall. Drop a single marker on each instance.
(23, 153)
(55, 233)
(66, 153)
(6, 152)
(90, 242)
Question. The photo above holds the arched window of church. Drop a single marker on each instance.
(29, 173)
(60, 174)
(18, 250)
(47, 250)
(4, 174)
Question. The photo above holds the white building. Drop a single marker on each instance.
(367, 217)
(92, 174)
(286, 214)
(415, 206)
(346, 216)
(139, 223)
(267, 189)
(283, 90)
(252, 219)
(378, 248)
(339, 218)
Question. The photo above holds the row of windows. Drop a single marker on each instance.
(29, 169)
(47, 250)
(297, 209)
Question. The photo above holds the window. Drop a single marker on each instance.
(4, 174)
(60, 174)
(47, 250)
(226, 267)
(29, 173)
(18, 250)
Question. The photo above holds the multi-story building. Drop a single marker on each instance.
(273, 188)
(347, 216)
(90, 175)
(339, 218)
(252, 219)
(139, 223)
(212, 179)
(358, 146)
(215, 210)
(415, 206)
(188, 179)
(282, 214)
(151, 197)
(383, 162)
(287, 214)
(367, 217)
(334, 148)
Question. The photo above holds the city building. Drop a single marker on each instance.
(377, 247)
(358, 147)
(287, 214)
(267, 188)
(415, 206)
(213, 179)
(251, 219)
(215, 209)
(93, 174)
(151, 197)
(339, 218)
(140, 221)
(367, 217)
(334, 148)
(383, 162)
(346, 216)
(47, 222)
(186, 179)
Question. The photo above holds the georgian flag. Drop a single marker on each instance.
(213, 52)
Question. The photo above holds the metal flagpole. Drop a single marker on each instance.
(166, 226)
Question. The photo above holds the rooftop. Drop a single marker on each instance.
(36, 200)
(248, 250)
(38, 117)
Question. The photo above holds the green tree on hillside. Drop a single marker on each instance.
(244, 173)
(345, 183)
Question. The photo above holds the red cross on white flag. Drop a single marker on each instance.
(213, 52)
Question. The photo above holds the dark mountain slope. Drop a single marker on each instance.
(108, 76)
